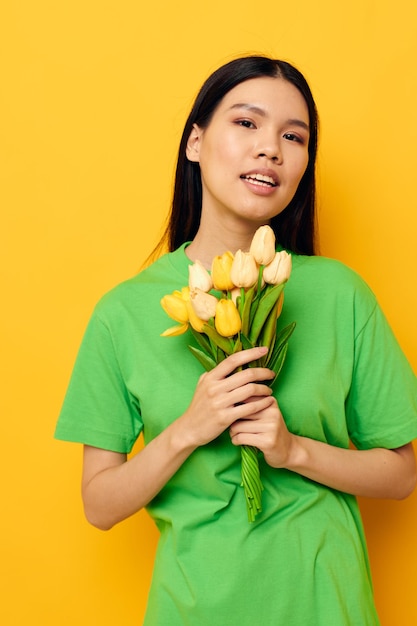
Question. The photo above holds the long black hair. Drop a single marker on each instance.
(295, 226)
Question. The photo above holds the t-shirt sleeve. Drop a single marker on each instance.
(381, 406)
(98, 408)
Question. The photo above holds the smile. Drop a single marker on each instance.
(260, 179)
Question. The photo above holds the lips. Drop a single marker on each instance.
(263, 179)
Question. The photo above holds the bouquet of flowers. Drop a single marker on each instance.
(233, 308)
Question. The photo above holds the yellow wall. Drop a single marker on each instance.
(93, 96)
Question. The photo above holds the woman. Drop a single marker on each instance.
(247, 158)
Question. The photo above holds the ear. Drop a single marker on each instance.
(193, 144)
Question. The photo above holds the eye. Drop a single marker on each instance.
(292, 137)
(245, 123)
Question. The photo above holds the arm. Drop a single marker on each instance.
(114, 488)
(375, 473)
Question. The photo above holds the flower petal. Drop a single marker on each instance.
(175, 330)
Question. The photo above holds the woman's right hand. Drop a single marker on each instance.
(225, 395)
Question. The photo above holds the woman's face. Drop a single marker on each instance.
(254, 152)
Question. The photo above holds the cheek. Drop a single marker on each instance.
(299, 170)
(218, 158)
(226, 150)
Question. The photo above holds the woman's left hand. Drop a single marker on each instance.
(267, 431)
(374, 472)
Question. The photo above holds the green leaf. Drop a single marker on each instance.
(225, 343)
(266, 303)
(253, 309)
(279, 359)
(238, 345)
(207, 362)
(245, 313)
(220, 355)
(281, 338)
(202, 341)
(246, 344)
(269, 331)
(284, 335)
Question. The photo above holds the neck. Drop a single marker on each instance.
(213, 239)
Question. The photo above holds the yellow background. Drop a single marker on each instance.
(93, 97)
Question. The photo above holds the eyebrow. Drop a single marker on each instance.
(255, 109)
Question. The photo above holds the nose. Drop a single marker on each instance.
(268, 147)
(269, 155)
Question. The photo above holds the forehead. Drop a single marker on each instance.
(270, 95)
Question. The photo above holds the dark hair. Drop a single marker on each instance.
(295, 226)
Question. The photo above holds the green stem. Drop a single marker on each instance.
(251, 481)
(260, 274)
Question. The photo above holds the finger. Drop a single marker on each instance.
(250, 375)
(246, 439)
(234, 361)
(248, 412)
(255, 410)
(246, 425)
(243, 393)
(246, 377)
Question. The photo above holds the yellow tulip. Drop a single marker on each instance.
(199, 277)
(227, 320)
(204, 304)
(175, 306)
(279, 270)
(244, 271)
(196, 322)
(220, 272)
(263, 245)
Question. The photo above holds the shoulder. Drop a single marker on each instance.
(332, 290)
(325, 267)
(330, 275)
(142, 290)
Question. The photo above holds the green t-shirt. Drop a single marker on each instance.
(304, 559)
